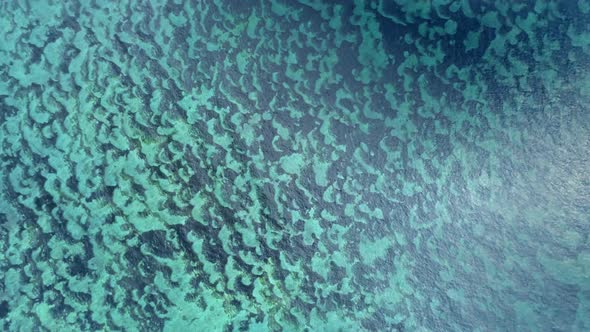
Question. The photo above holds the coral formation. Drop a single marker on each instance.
(289, 165)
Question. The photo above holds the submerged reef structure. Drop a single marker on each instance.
(283, 165)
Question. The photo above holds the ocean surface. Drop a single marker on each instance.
(283, 165)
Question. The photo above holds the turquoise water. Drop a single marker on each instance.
(295, 165)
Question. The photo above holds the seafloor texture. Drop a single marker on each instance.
(216, 165)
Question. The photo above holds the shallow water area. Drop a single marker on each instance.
(309, 165)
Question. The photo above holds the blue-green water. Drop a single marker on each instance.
(209, 165)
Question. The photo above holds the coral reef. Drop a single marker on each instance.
(367, 165)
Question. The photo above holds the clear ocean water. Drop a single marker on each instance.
(283, 165)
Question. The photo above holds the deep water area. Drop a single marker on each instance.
(295, 165)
